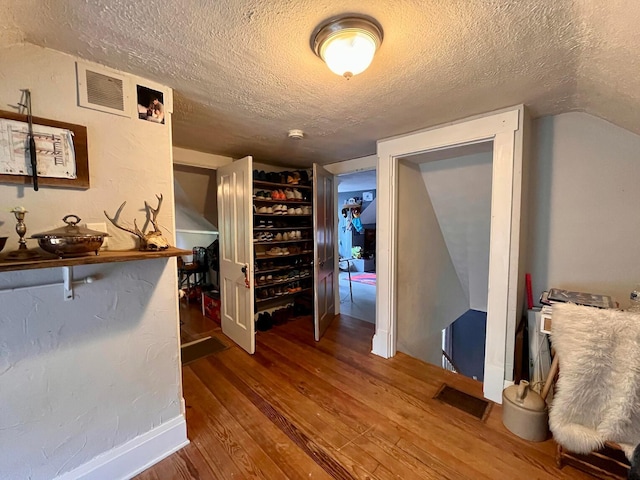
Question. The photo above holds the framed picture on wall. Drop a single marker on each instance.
(150, 104)
(367, 196)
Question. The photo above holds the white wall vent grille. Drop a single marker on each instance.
(104, 90)
(100, 89)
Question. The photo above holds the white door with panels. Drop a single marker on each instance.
(235, 218)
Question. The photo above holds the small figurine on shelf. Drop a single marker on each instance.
(148, 241)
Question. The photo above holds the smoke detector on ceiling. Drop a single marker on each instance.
(296, 134)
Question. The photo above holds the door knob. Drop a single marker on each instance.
(245, 270)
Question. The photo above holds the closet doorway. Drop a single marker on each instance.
(356, 244)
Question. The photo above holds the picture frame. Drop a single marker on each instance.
(150, 104)
(81, 155)
(367, 196)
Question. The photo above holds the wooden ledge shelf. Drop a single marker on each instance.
(105, 256)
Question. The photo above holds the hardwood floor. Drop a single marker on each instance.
(300, 409)
(193, 325)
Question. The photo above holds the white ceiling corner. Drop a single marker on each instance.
(244, 74)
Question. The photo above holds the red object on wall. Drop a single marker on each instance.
(211, 306)
(527, 279)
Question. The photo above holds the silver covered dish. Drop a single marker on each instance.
(70, 240)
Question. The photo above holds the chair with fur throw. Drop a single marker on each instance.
(597, 397)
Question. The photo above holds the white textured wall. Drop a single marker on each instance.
(460, 191)
(585, 206)
(430, 296)
(79, 378)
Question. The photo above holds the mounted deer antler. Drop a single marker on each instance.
(154, 213)
(148, 241)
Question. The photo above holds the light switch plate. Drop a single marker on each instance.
(100, 227)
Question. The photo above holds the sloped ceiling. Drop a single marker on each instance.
(244, 74)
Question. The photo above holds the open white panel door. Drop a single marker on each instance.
(323, 247)
(235, 223)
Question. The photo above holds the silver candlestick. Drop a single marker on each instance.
(23, 253)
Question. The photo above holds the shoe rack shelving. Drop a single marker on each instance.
(283, 268)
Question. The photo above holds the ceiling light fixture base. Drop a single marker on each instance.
(296, 134)
(347, 44)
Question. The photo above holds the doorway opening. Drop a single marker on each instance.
(356, 244)
(195, 193)
(507, 130)
(444, 223)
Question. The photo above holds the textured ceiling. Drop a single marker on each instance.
(244, 74)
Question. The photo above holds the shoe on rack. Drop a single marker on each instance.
(293, 178)
(278, 237)
(297, 194)
(291, 211)
(289, 195)
(285, 236)
(298, 211)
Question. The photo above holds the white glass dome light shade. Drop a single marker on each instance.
(347, 45)
(348, 52)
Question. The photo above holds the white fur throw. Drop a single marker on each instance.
(597, 397)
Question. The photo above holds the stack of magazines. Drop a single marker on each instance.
(557, 295)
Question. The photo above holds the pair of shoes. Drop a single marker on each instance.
(293, 194)
(279, 209)
(264, 322)
(264, 223)
(263, 237)
(259, 175)
(263, 210)
(278, 195)
(277, 251)
(293, 178)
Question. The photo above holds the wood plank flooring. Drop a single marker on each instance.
(330, 409)
(194, 325)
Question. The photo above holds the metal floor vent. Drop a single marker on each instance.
(475, 406)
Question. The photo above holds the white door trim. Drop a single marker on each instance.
(504, 129)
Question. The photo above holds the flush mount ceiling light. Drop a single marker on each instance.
(347, 44)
